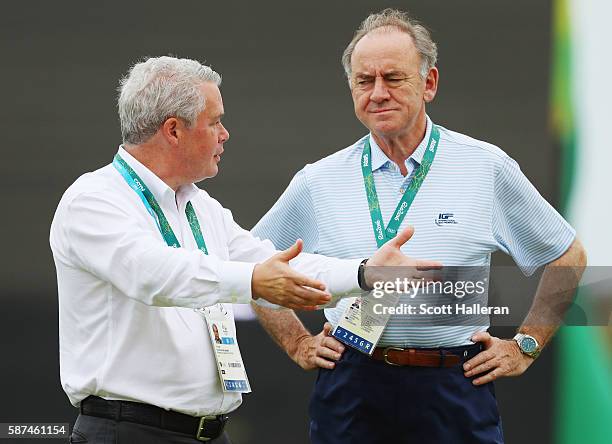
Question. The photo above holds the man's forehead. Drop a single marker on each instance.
(211, 90)
(384, 50)
(214, 101)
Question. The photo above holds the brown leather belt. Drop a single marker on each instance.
(417, 357)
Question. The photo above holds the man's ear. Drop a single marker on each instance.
(431, 85)
(171, 130)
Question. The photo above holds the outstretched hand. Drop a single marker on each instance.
(276, 282)
(390, 255)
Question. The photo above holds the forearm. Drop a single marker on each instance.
(339, 275)
(109, 242)
(555, 294)
(284, 327)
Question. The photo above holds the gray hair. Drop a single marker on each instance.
(392, 18)
(158, 88)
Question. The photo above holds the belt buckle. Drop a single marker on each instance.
(199, 436)
(386, 355)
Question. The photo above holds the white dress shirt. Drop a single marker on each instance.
(126, 325)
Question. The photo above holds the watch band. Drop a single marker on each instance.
(361, 276)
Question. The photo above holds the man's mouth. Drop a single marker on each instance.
(218, 155)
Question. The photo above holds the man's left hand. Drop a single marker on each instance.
(390, 255)
(501, 357)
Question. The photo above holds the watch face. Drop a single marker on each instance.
(528, 345)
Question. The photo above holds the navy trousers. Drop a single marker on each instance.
(366, 401)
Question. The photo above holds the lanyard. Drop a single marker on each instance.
(155, 210)
(381, 233)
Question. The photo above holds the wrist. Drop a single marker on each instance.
(254, 294)
(294, 349)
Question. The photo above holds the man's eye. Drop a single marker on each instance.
(364, 81)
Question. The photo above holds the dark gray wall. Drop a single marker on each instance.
(287, 104)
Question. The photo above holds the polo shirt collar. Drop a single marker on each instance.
(379, 158)
(160, 190)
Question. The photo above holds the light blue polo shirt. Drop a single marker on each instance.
(490, 202)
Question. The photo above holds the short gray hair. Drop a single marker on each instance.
(392, 18)
(159, 88)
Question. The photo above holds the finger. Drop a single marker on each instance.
(328, 353)
(484, 367)
(426, 276)
(305, 281)
(324, 363)
(295, 303)
(333, 344)
(327, 329)
(308, 296)
(322, 293)
(480, 358)
(425, 265)
(294, 306)
(491, 376)
(291, 252)
(322, 297)
(402, 237)
(482, 336)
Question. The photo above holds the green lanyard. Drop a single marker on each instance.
(150, 203)
(381, 233)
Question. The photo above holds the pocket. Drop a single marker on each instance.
(77, 436)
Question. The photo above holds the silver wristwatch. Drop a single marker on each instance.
(528, 344)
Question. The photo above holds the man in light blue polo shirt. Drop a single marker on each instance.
(473, 200)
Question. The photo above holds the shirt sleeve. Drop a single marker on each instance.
(292, 217)
(525, 225)
(339, 275)
(108, 242)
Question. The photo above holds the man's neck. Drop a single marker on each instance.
(151, 156)
(400, 147)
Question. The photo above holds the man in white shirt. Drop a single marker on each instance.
(138, 248)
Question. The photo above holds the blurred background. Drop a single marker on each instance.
(528, 76)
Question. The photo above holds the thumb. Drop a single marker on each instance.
(291, 252)
(327, 328)
(481, 336)
(402, 237)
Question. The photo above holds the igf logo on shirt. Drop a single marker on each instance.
(445, 218)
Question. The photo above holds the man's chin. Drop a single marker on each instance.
(385, 128)
(209, 174)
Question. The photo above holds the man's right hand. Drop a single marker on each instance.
(276, 282)
(318, 351)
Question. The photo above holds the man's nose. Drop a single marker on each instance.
(224, 136)
(380, 93)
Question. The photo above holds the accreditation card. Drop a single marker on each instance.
(222, 331)
(361, 328)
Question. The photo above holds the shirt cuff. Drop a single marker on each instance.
(344, 278)
(235, 282)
